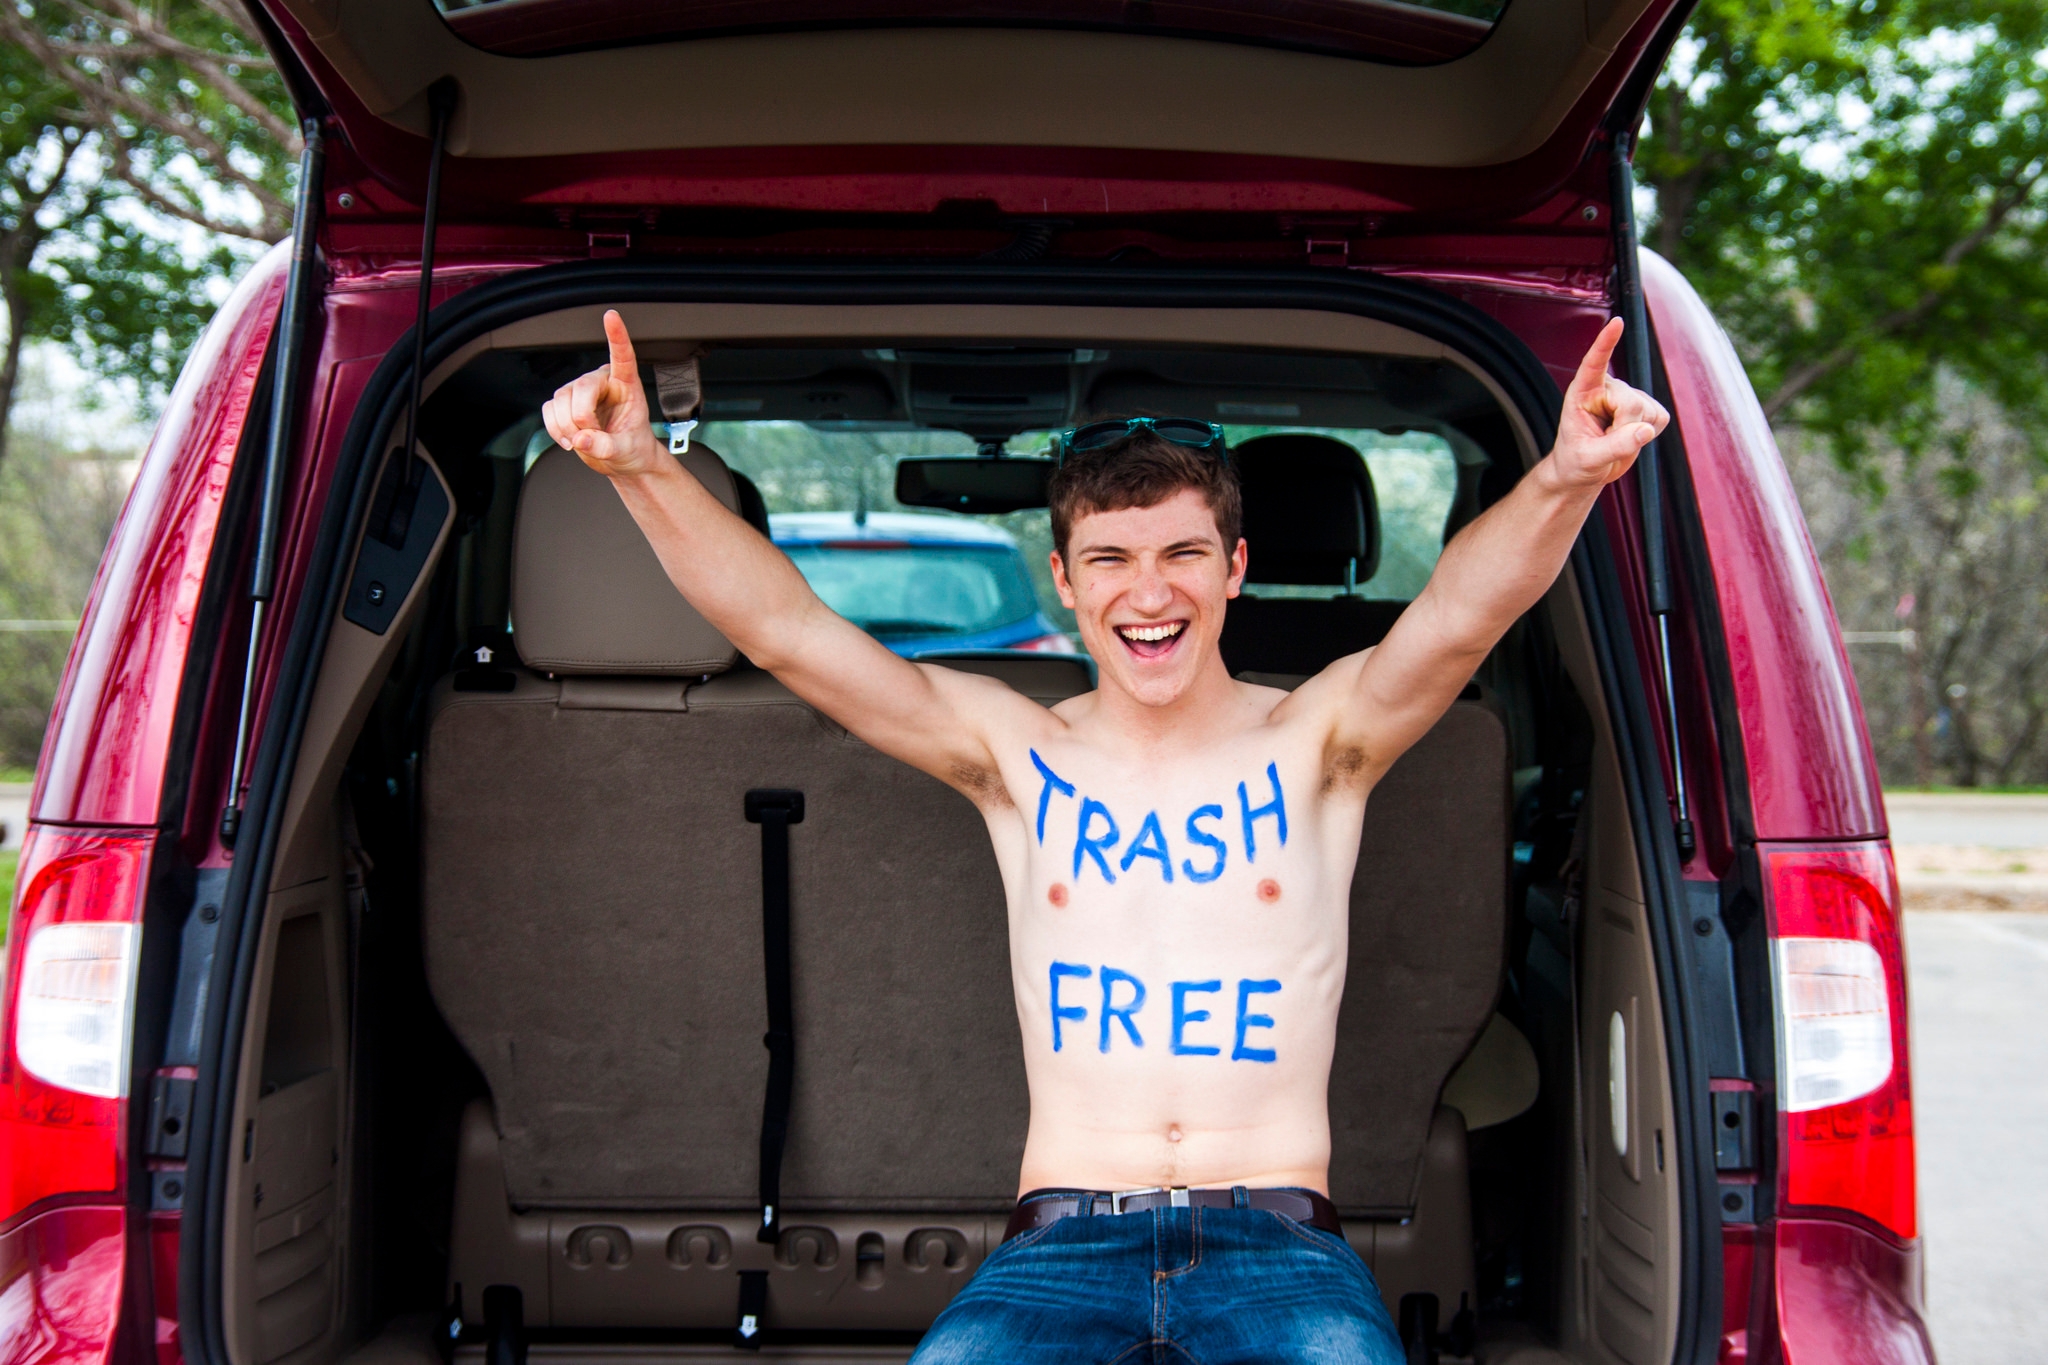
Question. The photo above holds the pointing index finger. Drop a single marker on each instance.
(625, 365)
(1592, 375)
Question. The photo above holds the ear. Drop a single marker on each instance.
(1240, 560)
(1059, 581)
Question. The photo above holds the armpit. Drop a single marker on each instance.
(983, 785)
(1344, 770)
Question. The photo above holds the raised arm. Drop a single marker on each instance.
(936, 719)
(1497, 567)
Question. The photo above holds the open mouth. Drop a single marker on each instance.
(1152, 640)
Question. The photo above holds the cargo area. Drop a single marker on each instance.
(502, 1075)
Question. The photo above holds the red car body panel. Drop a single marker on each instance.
(1812, 774)
(62, 1274)
(109, 737)
(1847, 1296)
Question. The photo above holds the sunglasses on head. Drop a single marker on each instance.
(1182, 431)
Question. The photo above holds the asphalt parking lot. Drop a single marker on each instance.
(1974, 870)
(1979, 997)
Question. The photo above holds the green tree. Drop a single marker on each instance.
(1853, 187)
(57, 508)
(145, 153)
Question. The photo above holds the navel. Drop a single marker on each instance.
(1269, 890)
(1057, 895)
(1173, 1133)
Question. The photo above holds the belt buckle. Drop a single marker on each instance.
(1116, 1200)
(1176, 1196)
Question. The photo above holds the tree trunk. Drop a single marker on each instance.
(15, 296)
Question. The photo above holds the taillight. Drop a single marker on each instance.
(1048, 644)
(1843, 1083)
(68, 1013)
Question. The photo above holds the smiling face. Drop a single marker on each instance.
(1147, 586)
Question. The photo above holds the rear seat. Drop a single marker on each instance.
(593, 933)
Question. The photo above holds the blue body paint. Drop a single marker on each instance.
(1276, 808)
(1183, 1016)
(1053, 782)
(1198, 835)
(1094, 848)
(1122, 1013)
(1126, 1013)
(1245, 991)
(1150, 843)
(1074, 1012)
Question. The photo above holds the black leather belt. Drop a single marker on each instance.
(1041, 1207)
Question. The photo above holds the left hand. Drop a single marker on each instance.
(1605, 423)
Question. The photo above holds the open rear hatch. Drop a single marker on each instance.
(1352, 118)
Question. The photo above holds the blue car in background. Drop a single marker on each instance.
(920, 583)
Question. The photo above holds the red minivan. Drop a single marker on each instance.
(397, 931)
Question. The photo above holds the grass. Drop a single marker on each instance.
(11, 775)
(8, 858)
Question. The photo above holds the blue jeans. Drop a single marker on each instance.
(1182, 1285)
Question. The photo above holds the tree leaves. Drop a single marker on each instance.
(1856, 189)
(146, 153)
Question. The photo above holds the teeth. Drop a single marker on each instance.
(1151, 633)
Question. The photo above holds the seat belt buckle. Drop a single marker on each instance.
(679, 389)
(753, 1307)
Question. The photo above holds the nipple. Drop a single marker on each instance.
(1269, 890)
(1058, 896)
(1173, 1133)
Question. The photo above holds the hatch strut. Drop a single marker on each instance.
(1635, 342)
(283, 399)
(396, 519)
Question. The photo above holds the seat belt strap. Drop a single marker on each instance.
(775, 811)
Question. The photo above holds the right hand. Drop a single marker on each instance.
(602, 416)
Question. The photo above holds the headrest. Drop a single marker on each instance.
(753, 507)
(1309, 510)
(588, 595)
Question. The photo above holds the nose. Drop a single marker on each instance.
(1150, 592)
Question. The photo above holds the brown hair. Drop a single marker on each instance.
(1144, 469)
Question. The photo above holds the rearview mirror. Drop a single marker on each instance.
(973, 485)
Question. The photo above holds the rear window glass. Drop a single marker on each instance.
(1415, 482)
(1386, 30)
(807, 467)
(812, 467)
(918, 589)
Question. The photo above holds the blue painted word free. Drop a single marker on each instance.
(1192, 1029)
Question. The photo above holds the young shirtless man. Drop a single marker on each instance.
(1177, 850)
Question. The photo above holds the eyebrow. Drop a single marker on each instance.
(1192, 543)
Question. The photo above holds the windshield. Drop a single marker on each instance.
(1411, 32)
(918, 589)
